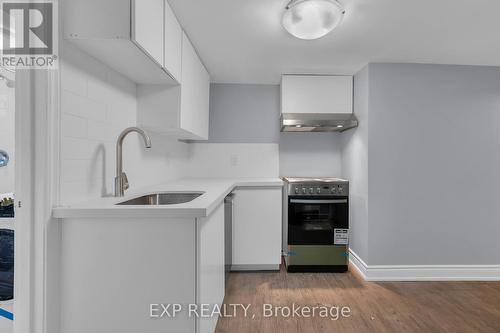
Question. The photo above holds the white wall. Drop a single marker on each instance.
(97, 104)
(7, 125)
(355, 167)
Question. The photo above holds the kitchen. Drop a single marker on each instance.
(197, 164)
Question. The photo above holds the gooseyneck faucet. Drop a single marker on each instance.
(121, 181)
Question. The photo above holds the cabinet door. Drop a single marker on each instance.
(91, 19)
(194, 93)
(173, 44)
(257, 228)
(210, 260)
(316, 94)
(147, 27)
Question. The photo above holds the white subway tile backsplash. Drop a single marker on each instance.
(234, 160)
(83, 190)
(100, 131)
(99, 90)
(73, 126)
(74, 170)
(74, 148)
(81, 106)
(73, 79)
(120, 116)
(120, 84)
(98, 103)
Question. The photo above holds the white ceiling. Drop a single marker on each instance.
(242, 41)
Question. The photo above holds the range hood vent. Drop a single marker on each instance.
(317, 122)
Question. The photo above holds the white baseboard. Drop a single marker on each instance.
(358, 263)
(264, 267)
(424, 272)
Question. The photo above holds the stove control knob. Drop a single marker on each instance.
(296, 190)
(341, 189)
(318, 190)
(334, 189)
(311, 190)
(304, 190)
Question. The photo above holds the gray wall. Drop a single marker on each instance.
(434, 162)
(355, 167)
(310, 154)
(247, 113)
(244, 113)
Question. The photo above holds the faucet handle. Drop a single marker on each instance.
(125, 181)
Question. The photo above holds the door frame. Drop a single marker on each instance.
(37, 185)
(36, 171)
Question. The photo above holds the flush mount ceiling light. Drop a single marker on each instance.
(312, 19)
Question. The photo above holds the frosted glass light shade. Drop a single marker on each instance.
(312, 19)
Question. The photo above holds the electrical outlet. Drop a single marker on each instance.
(234, 160)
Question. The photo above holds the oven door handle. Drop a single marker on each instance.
(306, 201)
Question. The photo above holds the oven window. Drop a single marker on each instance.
(312, 221)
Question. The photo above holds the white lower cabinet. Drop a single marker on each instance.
(210, 266)
(111, 262)
(143, 262)
(114, 269)
(257, 228)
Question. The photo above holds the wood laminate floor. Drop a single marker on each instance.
(375, 307)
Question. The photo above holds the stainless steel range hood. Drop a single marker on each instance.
(317, 122)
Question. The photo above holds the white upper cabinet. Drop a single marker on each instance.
(147, 27)
(127, 35)
(195, 92)
(316, 94)
(173, 44)
(181, 111)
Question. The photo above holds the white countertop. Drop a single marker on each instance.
(215, 190)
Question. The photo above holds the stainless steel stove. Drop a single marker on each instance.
(316, 224)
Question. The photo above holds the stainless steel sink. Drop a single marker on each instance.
(165, 198)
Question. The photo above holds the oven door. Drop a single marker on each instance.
(313, 220)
